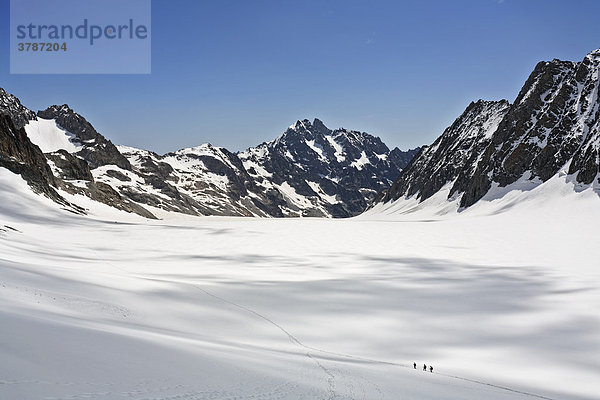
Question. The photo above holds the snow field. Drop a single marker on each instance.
(112, 306)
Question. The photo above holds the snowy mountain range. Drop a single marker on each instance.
(310, 170)
(478, 260)
(551, 130)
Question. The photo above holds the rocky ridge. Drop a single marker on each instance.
(553, 125)
(324, 172)
(329, 173)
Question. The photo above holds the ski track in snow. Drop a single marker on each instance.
(235, 304)
(355, 387)
(331, 377)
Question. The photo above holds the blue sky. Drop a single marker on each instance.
(237, 73)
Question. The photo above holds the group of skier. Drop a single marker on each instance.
(424, 367)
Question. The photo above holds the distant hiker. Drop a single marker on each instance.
(424, 367)
(415, 365)
(431, 369)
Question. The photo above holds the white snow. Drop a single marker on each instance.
(289, 155)
(49, 137)
(260, 170)
(189, 169)
(361, 162)
(504, 293)
(136, 182)
(292, 196)
(339, 150)
(317, 189)
(491, 124)
(205, 149)
(317, 149)
(190, 176)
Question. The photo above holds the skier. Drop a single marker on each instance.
(415, 365)
(424, 367)
(431, 369)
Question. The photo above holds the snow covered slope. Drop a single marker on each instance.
(553, 125)
(454, 154)
(203, 180)
(502, 304)
(49, 137)
(336, 173)
(323, 172)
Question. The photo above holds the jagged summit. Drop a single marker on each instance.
(300, 124)
(94, 147)
(307, 124)
(451, 157)
(64, 108)
(339, 171)
(310, 170)
(486, 103)
(594, 53)
(552, 126)
(11, 106)
(302, 130)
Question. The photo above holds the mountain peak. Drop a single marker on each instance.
(97, 150)
(300, 124)
(56, 109)
(320, 127)
(305, 124)
(200, 149)
(593, 54)
(482, 102)
(309, 170)
(552, 125)
(323, 172)
(10, 105)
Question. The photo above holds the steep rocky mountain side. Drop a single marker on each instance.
(553, 126)
(310, 170)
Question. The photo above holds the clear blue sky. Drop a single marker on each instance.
(237, 73)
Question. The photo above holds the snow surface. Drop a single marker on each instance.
(292, 196)
(339, 149)
(319, 190)
(501, 298)
(361, 162)
(50, 137)
(317, 149)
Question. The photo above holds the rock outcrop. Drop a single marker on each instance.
(322, 172)
(553, 124)
(310, 170)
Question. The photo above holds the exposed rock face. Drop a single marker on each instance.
(553, 123)
(310, 170)
(402, 158)
(69, 167)
(322, 172)
(22, 157)
(203, 180)
(584, 111)
(46, 173)
(96, 149)
(11, 106)
(454, 155)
